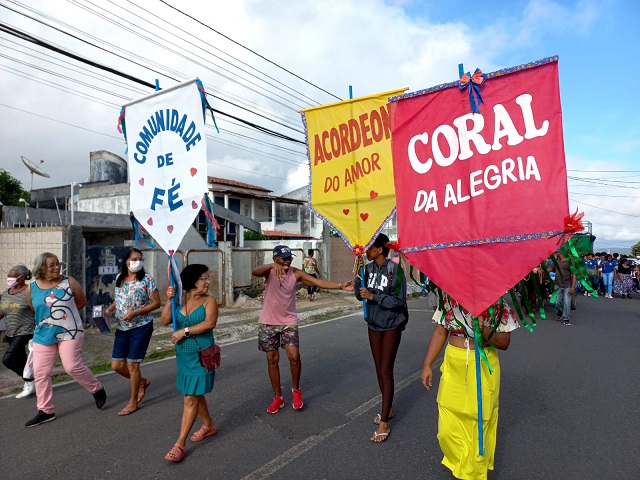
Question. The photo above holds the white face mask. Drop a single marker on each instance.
(12, 281)
(135, 266)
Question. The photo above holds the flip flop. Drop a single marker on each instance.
(378, 417)
(380, 437)
(176, 454)
(144, 390)
(203, 433)
(127, 411)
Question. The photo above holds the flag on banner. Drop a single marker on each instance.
(481, 196)
(349, 149)
(167, 160)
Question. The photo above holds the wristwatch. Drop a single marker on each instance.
(186, 332)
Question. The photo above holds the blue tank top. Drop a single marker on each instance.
(57, 317)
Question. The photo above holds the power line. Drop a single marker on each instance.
(247, 171)
(13, 31)
(77, 57)
(60, 121)
(182, 55)
(600, 208)
(202, 41)
(601, 195)
(247, 48)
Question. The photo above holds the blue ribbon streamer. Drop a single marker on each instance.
(479, 389)
(205, 104)
(474, 88)
(175, 282)
(207, 206)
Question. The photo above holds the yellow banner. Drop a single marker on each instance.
(352, 186)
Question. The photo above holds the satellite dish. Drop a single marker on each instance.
(34, 169)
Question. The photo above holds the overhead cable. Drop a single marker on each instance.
(247, 48)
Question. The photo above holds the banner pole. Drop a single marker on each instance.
(173, 300)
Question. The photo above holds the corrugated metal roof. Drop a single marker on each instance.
(280, 234)
(233, 183)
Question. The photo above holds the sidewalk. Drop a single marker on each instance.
(234, 323)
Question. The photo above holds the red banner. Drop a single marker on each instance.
(480, 194)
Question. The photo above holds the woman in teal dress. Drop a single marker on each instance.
(196, 317)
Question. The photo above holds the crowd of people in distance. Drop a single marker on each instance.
(612, 274)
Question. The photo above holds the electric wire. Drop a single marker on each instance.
(314, 102)
(201, 42)
(181, 55)
(23, 35)
(247, 48)
(77, 57)
(606, 210)
(60, 121)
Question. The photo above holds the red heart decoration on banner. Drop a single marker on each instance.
(373, 194)
(171, 252)
(150, 221)
(194, 204)
(364, 216)
(345, 211)
(193, 171)
(141, 182)
(170, 228)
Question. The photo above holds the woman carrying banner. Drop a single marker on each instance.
(135, 298)
(20, 325)
(384, 287)
(457, 395)
(56, 299)
(196, 316)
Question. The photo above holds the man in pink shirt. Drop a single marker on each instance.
(278, 323)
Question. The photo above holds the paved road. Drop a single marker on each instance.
(570, 401)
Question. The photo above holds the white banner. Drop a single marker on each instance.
(167, 161)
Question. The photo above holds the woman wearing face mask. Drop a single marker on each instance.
(20, 324)
(136, 297)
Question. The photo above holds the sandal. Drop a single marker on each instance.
(176, 454)
(380, 437)
(203, 433)
(378, 418)
(142, 390)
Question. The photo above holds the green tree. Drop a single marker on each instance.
(11, 190)
(635, 250)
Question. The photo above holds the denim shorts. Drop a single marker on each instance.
(131, 345)
(271, 337)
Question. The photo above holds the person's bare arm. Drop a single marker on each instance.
(326, 284)
(438, 339)
(78, 294)
(500, 340)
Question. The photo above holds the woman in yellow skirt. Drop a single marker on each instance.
(457, 394)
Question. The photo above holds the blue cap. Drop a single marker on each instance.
(282, 251)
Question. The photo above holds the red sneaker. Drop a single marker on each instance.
(297, 399)
(277, 404)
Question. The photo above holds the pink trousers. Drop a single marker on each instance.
(71, 355)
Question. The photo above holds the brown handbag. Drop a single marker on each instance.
(210, 357)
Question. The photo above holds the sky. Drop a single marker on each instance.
(265, 60)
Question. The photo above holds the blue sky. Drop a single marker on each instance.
(597, 44)
(374, 45)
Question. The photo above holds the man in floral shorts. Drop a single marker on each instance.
(278, 323)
